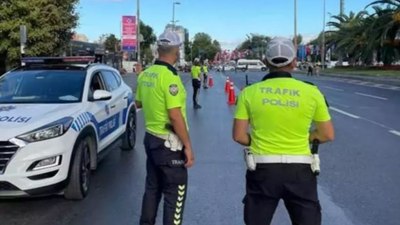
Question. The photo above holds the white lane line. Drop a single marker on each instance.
(332, 88)
(371, 96)
(344, 113)
(395, 132)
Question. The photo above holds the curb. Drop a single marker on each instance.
(382, 80)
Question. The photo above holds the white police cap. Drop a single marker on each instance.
(169, 38)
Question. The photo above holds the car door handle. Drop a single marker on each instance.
(113, 106)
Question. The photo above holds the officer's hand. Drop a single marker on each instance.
(189, 157)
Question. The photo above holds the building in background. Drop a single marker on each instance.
(80, 37)
(184, 36)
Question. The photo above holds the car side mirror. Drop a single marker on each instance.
(101, 95)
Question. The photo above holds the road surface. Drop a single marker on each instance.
(359, 183)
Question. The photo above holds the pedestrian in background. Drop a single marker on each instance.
(205, 75)
(196, 82)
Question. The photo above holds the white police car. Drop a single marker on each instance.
(56, 120)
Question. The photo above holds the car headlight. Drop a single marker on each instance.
(51, 130)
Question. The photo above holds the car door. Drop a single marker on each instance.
(118, 101)
(99, 111)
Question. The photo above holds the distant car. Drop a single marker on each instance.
(250, 64)
(56, 120)
(226, 67)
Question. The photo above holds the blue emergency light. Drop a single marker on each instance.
(58, 60)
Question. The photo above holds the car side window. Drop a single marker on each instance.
(110, 80)
(118, 77)
(96, 84)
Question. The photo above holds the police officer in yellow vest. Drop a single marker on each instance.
(162, 96)
(196, 82)
(280, 111)
(204, 69)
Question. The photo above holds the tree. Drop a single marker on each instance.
(299, 39)
(49, 24)
(148, 38)
(111, 43)
(204, 47)
(256, 43)
(384, 29)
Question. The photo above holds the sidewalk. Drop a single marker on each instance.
(377, 79)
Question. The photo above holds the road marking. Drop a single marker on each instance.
(332, 88)
(395, 132)
(344, 113)
(371, 96)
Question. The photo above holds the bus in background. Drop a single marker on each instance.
(250, 64)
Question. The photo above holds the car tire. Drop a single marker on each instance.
(80, 171)
(129, 137)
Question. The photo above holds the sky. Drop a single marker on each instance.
(228, 21)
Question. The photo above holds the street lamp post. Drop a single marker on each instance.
(295, 24)
(323, 39)
(173, 14)
(138, 30)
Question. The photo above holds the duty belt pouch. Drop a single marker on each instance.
(315, 165)
(173, 142)
(249, 159)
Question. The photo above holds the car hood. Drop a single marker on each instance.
(17, 119)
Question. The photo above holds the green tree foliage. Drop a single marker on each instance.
(204, 47)
(49, 24)
(148, 39)
(364, 37)
(256, 43)
(111, 43)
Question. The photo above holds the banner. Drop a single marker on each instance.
(129, 33)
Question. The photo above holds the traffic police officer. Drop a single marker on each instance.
(205, 75)
(280, 111)
(162, 96)
(196, 82)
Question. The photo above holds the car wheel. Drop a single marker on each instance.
(129, 137)
(80, 171)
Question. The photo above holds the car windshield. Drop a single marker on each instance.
(42, 86)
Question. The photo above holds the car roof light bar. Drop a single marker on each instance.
(58, 60)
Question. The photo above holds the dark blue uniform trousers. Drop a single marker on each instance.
(294, 183)
(166, 175)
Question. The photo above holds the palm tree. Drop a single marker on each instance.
(349, 35)
(386, 28)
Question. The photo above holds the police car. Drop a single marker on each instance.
(58, 116)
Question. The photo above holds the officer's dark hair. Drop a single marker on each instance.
(277, 61)
(165, 50)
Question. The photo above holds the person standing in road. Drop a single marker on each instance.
(162, 96)
(196, 82)
(205, 75)
(310, 69)
(280, 111)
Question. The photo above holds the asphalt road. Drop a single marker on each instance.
(358, 185)
(360, 169)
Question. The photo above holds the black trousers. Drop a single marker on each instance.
(196, 87)
(166, 175)
(294, 183)
(205, 80)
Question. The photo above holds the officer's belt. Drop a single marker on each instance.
(162, 136)
(282, 159)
